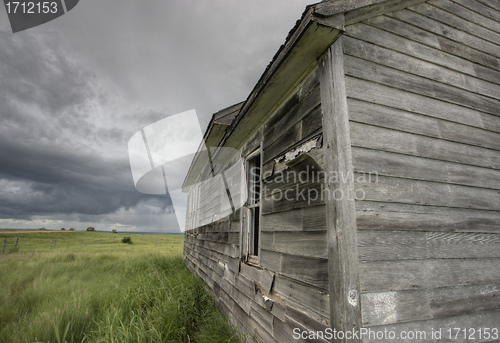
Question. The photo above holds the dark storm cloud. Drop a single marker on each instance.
(51, 157)
(73, 91)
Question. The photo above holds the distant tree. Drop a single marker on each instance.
(43, 229)
(91, 228)
(63, 229)
(127, 240)
(115, 231)
(72, 229)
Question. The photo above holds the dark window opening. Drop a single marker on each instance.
(254, 203)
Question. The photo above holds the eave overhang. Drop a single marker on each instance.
(307, 41)
(215, 131)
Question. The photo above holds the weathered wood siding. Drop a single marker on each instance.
(423, 87)
(289, 287)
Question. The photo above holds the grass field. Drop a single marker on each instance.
(103, 290)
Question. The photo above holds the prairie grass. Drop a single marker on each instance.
(106, 292)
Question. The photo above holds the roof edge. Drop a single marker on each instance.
(358, 10)
(333, 23)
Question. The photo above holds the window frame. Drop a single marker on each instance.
(249, 227)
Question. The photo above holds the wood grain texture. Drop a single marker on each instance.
(259, 332)
(406, 245)
(476, 320)
(407, 191)
(391, 118)
(465, 13)
(294, 105)
(416, 66)
(263, 317)
(391, 216)
(466, 27)
(410, 40)
(407, 306)
(307, 321)
(390, 97)
(312, 271)
(309, 218)
(373, 137)
(411, 83)
(380, 276)
(414, 167)
(457, 42)
(289, 134)
(341, 217)
(299, 196)
(293, 115)
(267, 280)
(310, 244)
(378, 9)
(480, 8)
(491, 3)
(313, 298)
(445, 24)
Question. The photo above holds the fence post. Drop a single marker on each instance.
(119, 244)
(55, 244)
(67, 245)
(50, 245)
(4, 244)
(17, 243)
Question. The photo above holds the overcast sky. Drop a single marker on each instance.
(75, 90)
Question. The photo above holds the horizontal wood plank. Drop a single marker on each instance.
(466, 13)
(414, 167)
(380, 276)
(294, 115)
(415, 103)
(475, 320)
(407, 306)
(491, 3)
(408, 191)
(416, 66)
(411, 83)
(444, 24)
(369, 113)
(371, 137)
(300, 196)
(480, 8)
(315, 299)
(295, 100)
(313, 271)
(466, 27)
(406, 245)
(305, 219)
(416, 42)
(390, 216)
(310, 244)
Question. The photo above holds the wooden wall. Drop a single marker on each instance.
(289, 287)
(423, 87)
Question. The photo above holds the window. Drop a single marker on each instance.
(253, 205)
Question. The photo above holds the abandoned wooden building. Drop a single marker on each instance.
(389, 113)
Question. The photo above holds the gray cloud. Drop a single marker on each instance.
(52, 160)
(73, 91)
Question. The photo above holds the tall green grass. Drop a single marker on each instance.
(121, 294)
